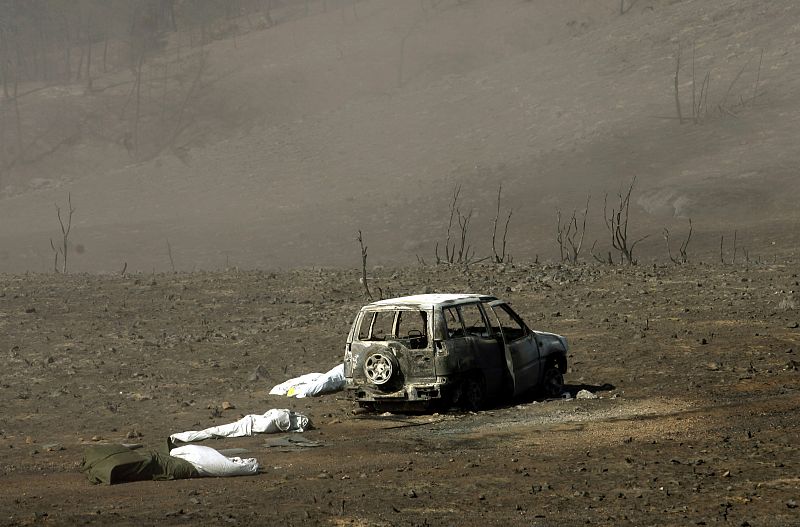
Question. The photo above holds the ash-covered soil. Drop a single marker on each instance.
(696, 369)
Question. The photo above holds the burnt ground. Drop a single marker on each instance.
(696, 424)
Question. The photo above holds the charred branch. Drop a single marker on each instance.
(617, 222)
(570, 234)
(682, 257)
(501, 256)
(456, 247)
(66, 227)
(364, 280)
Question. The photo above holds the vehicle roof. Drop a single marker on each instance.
(428, 301)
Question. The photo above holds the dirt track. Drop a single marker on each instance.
(696, 369)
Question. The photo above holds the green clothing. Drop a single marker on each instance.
(111, 464)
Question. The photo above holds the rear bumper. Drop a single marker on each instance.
(422, 392)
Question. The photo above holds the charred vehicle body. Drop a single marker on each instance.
(462, 349)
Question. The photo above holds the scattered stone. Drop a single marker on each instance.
(713, 366)
(793, 325)
(30, 310)
(53, 447)
(411, 493)
(792, 504)
(226, 405)
(133, 434)
(134, 396)
(259, 373)
(585, 394)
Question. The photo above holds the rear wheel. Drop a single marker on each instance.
(473, 393)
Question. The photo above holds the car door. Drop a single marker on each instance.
(486, 350)
(521, 350)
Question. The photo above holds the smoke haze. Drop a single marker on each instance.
(202, 135)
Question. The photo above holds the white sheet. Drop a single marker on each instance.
(209, 462)
(273, 421)
(312, 384)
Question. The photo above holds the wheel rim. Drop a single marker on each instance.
(378, 368)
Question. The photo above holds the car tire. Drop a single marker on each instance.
(473, 393)
(381, 368)
(552, 382)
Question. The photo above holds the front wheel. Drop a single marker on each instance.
(552, 382)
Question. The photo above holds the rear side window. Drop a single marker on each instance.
(376, 325)
(474, 323)
(453, 322)
(412, 324)
(412, 329)
(399, 324)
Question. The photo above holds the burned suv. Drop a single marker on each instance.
(462, 349)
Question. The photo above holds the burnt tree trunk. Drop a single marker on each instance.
(88, 56)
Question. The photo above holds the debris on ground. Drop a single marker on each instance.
(585, 394)
(291, 443)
